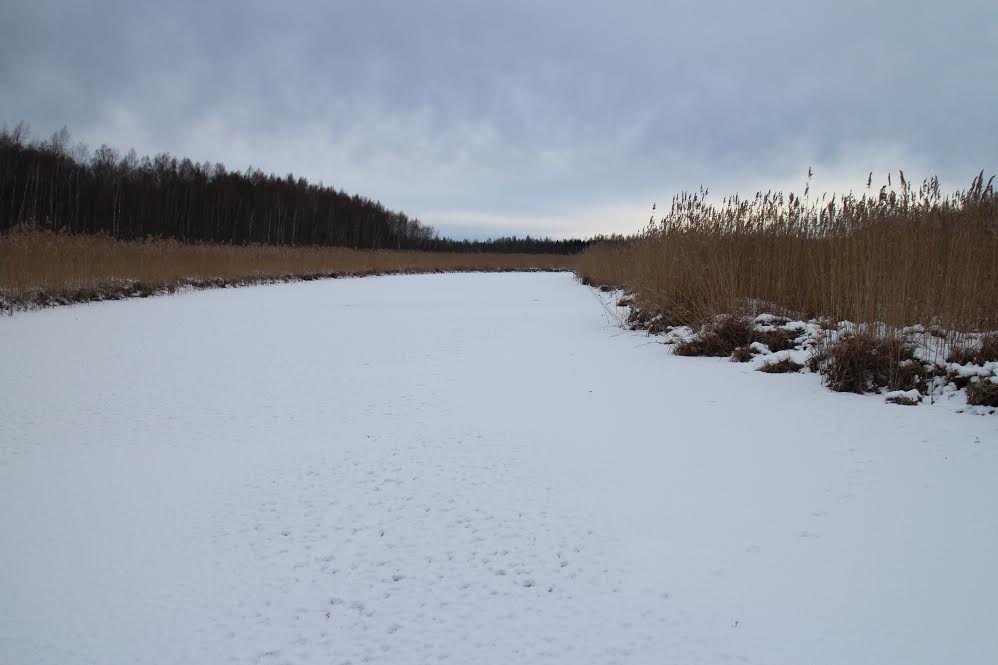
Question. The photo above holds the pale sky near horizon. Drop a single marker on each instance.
(496, 118)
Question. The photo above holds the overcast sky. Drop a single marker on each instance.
(550, 118)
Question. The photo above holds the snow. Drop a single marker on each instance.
(469, 469)
(904, 395)
(928, 348)
(768, 357)
(987, 369)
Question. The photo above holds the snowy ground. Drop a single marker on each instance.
(470, 469)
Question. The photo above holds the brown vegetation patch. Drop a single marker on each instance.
(639, 319)
(785, 366)
(718, 339)
(986, 352)
(903, 400)
(777, 340)
(862, 258)
(865, 363)
(982, 392)
(659, 325)
(958, 380)
(42, 268)
(646, 318)
(816, 361)
(729, 335)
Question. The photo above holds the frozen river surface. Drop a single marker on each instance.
(469, 469)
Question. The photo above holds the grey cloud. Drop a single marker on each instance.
(517, 109)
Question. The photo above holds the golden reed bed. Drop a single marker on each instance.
(44, 267)
(893, 258)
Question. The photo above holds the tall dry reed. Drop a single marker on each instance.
(44, 266)
(893, 257)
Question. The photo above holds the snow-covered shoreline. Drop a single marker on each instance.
(471, 468)
(39, 298)
(942, 380)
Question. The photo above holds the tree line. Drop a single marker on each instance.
(56, 184)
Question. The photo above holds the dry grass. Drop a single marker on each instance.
(886, 261)
(730, 335)
(784, 366)
(718, 339)
(985, 351)
(865, 363)
(982, 393)
(894, 258)
(41, 267)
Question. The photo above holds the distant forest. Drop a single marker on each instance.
(57, 185)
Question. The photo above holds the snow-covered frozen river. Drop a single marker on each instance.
(468, 469)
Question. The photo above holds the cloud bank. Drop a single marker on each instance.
(555, 118)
